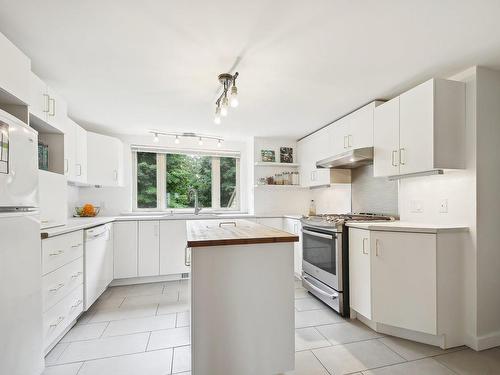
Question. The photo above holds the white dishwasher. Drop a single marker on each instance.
(98, 262)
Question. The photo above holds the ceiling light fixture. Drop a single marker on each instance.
(228, 82)
(178, 136)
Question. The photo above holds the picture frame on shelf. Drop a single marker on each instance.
(286, 154)
(268, 156)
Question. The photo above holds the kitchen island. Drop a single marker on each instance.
(242, 298)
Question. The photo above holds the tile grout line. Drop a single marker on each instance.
(147, 344)
(104, 330)
(79, 368)
(321, 363)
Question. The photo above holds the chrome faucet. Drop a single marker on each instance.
(197, 207)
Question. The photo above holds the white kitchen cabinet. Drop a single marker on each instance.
(125, 249)
(431, 130)
(15, 72)
(173, 241)
(80, 154)
(310, 150)
(148, 249)
(294, 226)
(70, 150)
(46, 104)
(360, 287)
(352, 131)
(386, 139)
(104, 160)
(404, 280)
(407, 283)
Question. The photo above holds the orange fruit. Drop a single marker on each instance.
(88, 210)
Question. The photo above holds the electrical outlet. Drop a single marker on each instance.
(443, 206)
(416, 206)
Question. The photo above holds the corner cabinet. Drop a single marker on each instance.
(421, 130)
(407, 283)
(104, 160)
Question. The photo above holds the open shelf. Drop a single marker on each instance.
(275, 164)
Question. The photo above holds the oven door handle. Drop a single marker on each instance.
(317, 234)
(318, 290)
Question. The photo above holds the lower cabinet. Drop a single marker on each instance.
(125, 249)
(294, 226)
(360, 287)
(62, 284)
(409, 281)
(148, 248)
(173, 241)
(404, 280)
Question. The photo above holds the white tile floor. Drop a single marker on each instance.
(144, 329)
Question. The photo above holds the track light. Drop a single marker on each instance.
(217, 118)
(177, 140)
(200, 141)
(234, 97)
(219, 143)
(156, 139)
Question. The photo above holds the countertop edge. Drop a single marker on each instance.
(408, 227)
(241, 241)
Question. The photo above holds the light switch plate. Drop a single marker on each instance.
(443, 206)
(416, 206)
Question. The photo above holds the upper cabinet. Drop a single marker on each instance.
(421, 130)
(46, 105)
(80, 163)
(104, 160)
(352, 131)
(15, 72)
(311, 149)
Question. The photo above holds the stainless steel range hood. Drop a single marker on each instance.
(349, 159)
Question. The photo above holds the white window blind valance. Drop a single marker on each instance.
(185, 151)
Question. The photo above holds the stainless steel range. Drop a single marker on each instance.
(325, 263)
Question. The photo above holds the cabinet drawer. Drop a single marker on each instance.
(57, 284)
(60, 316)
(59, 250)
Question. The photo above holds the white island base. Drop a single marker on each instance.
(242, 312)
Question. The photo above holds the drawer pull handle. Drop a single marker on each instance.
(75, 246)
(59, 252)
(76, 275)
(78, 303)
(56, 288)
(59, 321)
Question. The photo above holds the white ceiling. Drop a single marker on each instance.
(129, 66)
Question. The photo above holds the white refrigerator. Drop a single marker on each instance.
(21, 341)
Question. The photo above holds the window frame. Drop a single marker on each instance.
(161, 181)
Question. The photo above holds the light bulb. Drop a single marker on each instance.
(177, 140)
(156, 139)
(219, 143)
(217, 118)
(200, 142)
(224, 107)
(234, 97)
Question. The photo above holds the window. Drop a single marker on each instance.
(163, 180)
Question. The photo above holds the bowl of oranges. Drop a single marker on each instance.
(87, 210)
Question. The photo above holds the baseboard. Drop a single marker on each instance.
(148, 279)
(488, 341)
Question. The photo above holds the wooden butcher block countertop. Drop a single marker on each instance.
(201, 233)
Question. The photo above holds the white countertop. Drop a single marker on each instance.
(406, 226)
(75, 224)
(79, 223)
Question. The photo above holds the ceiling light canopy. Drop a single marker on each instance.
(228, 82)
(177, 137)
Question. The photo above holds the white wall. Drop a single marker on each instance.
(488, 206)
(117, 200)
